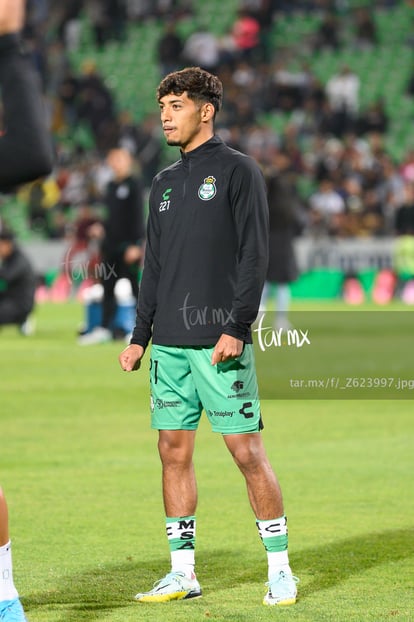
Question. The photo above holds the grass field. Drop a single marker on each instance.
(79, 466)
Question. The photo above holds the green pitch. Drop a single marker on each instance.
(79, 465)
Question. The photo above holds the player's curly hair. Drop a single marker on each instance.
(200, 86)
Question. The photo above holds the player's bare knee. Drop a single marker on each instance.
(248, 456)
(174, 450)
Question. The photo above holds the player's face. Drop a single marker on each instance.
(182, 121)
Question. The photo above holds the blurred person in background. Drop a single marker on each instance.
(366, 35)
(246, 35)
(169, 49)
(95, 105)
(404, 214)
(373, 119)
(143, 141)
(327, 210)
(342, 90)
(17, 283)
(202, 49)
(25, 154)
(122, 236)
(328, 34)
(286, 220)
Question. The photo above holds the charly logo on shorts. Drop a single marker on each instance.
(245, 410)
(208, 189)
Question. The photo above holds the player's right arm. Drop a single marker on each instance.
(130, 358)
(147, 299)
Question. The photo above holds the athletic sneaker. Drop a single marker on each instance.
(174, 586)
(282, 590)
(28, 327)
(97, 335)
(12, 611)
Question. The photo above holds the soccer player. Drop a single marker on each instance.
(25, 154)
(205, 265)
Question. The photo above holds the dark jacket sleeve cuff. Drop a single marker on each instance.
(239, 331)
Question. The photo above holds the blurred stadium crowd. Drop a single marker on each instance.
(326, 84)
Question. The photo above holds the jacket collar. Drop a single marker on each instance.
(201, 151)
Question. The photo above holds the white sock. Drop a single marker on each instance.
(277, 562)
(7, 588)
(183, 561)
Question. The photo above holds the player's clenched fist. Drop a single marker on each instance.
(130, 358)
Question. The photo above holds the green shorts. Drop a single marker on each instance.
(184, 383)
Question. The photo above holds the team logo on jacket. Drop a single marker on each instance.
(208, 189)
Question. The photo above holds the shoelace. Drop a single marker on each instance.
(282, 578)
(171, 576)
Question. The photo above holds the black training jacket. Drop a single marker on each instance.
(207, 248)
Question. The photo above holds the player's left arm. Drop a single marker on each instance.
(147, 299)
(251, 217)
